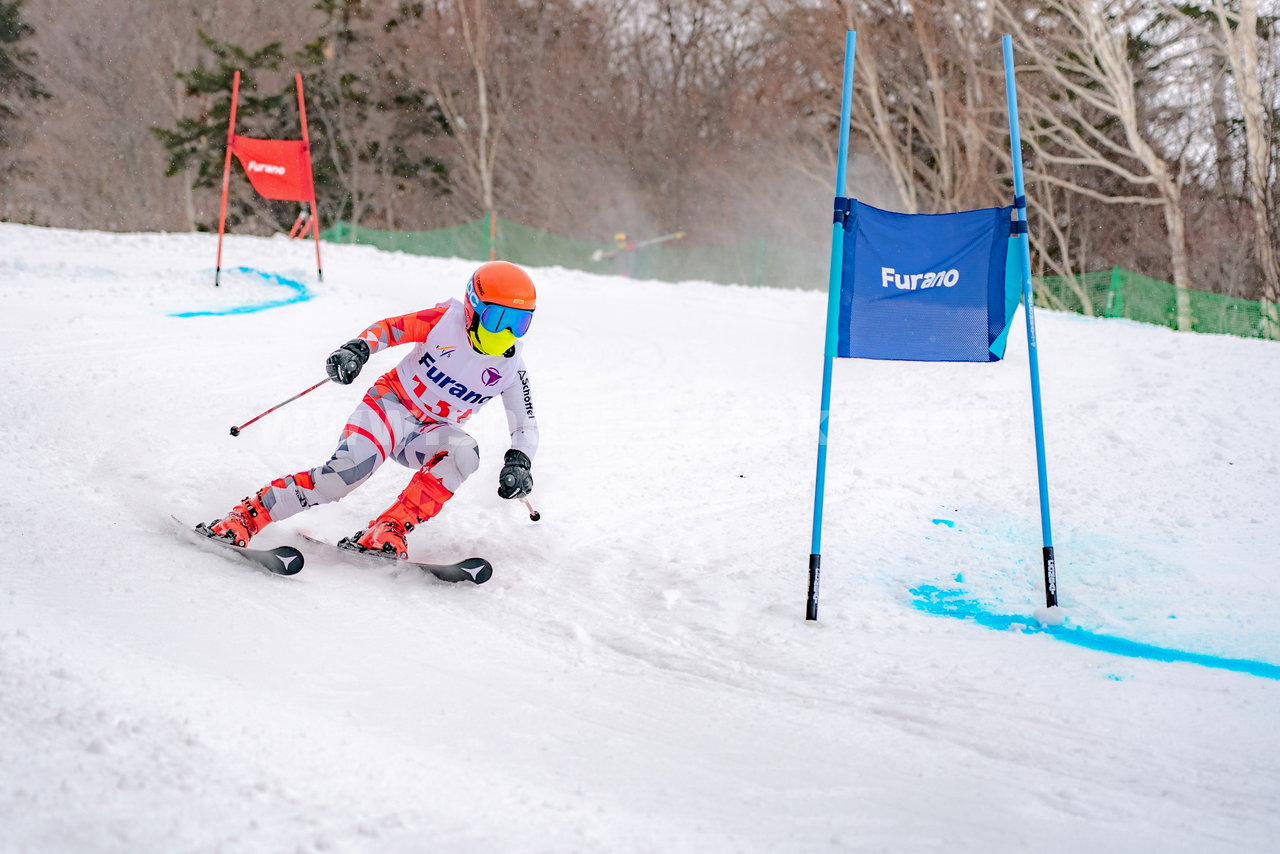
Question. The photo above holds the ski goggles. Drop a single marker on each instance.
(496, 318)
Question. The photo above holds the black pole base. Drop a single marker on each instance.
(1050, 579)
(815, 572)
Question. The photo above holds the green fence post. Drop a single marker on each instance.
(1114, 295)
(1270, 324)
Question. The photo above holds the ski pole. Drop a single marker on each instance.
(533, 514)
(235, 431)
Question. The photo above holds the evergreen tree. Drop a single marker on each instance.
(17, 83)
(367, 125)
(197, 146)
(374, 125)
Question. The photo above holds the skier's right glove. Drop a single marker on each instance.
(515, 481)
(344, 364)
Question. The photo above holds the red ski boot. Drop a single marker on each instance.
(245, 519)
(386, 534)
(421, 500)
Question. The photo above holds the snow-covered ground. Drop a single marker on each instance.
(638, 676)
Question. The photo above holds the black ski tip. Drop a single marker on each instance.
(478, 568)
(281, 560)
(291, 560)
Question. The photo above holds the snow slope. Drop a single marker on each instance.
(638, 675)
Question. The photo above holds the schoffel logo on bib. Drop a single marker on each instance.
(269, 168)
(528, 401)
(919, 281)
(491, 376)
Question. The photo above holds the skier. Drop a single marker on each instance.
(464, 354)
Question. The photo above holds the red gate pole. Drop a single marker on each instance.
(226, 175)
(306, 143)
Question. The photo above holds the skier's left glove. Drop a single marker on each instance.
(344, 364)
(515, 481)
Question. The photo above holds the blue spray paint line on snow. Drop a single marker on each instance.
(951, 603)
(300, 294)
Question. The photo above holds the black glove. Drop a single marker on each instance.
(515, 481)
(344, 364)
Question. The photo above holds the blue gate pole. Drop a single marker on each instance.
(833, 314)
(1028, 302)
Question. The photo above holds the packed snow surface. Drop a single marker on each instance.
(638, 676)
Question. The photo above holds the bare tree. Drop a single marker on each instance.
(374, 121)
(1088, 84)
(928, 101)
(458, 53)
(1240, 39)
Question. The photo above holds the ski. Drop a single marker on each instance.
(282, 560)
(477, 570)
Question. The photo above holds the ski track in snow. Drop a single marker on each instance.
(638, 675)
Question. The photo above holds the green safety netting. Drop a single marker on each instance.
(1115, 293)
(1124, 293)
(748, 263)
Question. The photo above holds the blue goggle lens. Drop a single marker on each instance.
(496, 318)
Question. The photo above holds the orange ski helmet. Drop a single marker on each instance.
(499, 306)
